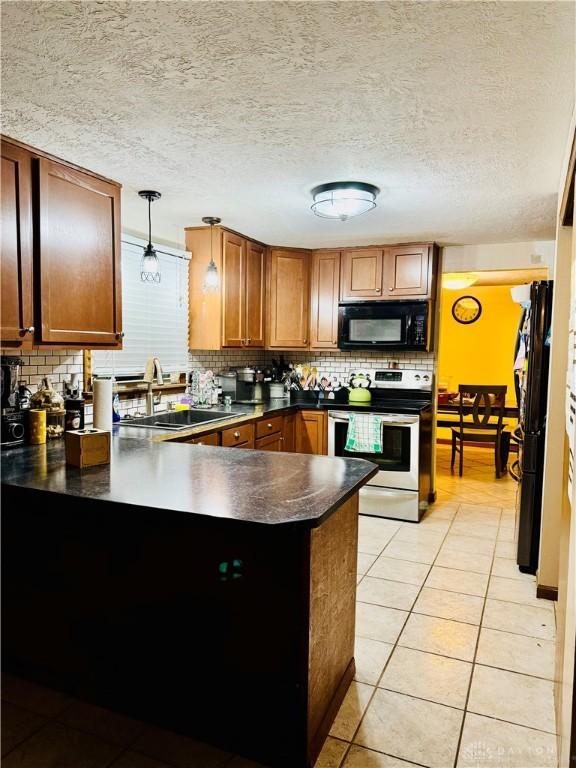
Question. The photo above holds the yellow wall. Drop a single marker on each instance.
(482, 352)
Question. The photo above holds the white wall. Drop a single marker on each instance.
(533, 253)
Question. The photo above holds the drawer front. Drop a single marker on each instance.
(237, 435)
(268, 426)
(269, 443)
(212, 439)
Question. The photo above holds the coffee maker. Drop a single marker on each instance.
(245, 385)
(12, 415)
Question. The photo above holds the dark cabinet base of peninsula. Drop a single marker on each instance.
(241, 635)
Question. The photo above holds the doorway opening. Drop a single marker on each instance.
(482, 314)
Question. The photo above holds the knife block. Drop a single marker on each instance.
(87, 447)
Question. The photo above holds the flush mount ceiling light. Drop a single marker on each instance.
(455, 281)
(211, 278)
(343, 199)
(149, 266)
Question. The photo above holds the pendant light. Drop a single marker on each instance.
(150, 265)
(211, 278)
(343, 199)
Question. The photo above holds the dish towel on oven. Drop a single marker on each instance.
(364, 433)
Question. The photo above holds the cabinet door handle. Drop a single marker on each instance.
(269, 426)
(248, 341)
(236, 435)
(30, 329)
(391, 288)
(378, 290)
(120, 335)
(199, 442)
(305, 341)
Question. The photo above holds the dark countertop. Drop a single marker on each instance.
(227, 483)
(240, 413)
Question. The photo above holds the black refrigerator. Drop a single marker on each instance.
(531, 376)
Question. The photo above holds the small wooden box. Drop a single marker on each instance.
(87, 447)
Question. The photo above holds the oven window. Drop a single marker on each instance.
(375, 329)
(395, 456)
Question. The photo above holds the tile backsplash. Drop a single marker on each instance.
(59, 365)
(62, 364)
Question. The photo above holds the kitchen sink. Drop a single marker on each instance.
(176, 420)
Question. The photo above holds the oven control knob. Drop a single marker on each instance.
(426, 377)
(417, 377)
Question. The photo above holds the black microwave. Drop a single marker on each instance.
(390, 325)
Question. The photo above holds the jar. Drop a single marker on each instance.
(75, 404)
(73, 419)
(46, 397)
(55, 422)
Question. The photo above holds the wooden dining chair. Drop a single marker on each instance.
(486, 422)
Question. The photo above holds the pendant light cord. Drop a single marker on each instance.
(149, 222)
(211, 243)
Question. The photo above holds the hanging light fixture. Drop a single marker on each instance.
(343, 199)
(150, 265)
(455, 281)
(211, 278)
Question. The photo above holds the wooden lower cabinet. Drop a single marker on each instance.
(266, 427)
(212, 439)
(237, 436)
(311, 436)
(289, 433)
(296, 432)
(270, 442)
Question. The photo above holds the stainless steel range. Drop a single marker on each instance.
(403, 488)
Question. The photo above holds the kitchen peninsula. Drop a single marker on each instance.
(208, 590)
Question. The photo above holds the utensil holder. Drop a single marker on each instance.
(304, 396)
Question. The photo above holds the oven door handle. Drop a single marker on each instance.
(404, 421)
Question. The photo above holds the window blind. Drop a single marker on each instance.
(154, 315)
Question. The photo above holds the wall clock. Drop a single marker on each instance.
(466, 310)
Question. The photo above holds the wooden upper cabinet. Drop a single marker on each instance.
(408, 271)
(361, 274)
(289, 296)
(324, 293)
(391, 273)
(234, 316)
(61, 282)
(254, 294)
(233, 298)
(78, 229)
(16, 246)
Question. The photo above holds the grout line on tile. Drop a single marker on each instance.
(395, 644)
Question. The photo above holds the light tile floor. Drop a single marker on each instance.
(454, 658)
(454, 651)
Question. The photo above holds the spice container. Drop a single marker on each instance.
(73, 419)
(55, 422)
(75, 404)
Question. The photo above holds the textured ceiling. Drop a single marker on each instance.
(458, 111)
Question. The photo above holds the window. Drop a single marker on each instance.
(154, 315)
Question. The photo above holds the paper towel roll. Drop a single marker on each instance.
(103, 404)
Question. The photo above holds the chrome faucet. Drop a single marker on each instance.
(153, 367)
